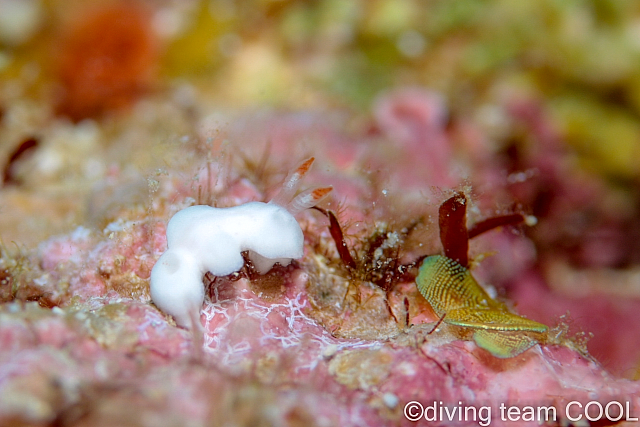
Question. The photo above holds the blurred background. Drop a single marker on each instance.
(550, 88)
(579, 57)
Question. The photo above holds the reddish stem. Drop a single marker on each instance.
(19, 152)
(453, 229)
(341, 244)
(494, 222)
(338, 238)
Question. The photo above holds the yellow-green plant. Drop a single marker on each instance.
(458, 299)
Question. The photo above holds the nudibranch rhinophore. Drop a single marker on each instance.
(203, 239)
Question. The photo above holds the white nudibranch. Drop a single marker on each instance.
(203, 239)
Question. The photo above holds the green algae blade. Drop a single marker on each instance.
(503, 344)
(493, 320)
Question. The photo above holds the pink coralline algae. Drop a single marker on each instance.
(416, 120)
(314, 343)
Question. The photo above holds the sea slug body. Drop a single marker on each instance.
(203, 239)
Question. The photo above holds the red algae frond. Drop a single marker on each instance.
(453, 228)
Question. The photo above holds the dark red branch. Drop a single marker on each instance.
(440, 320)
(20, 151)
(406, 312)
(453, 228)
(338, 238)
(341, 244)
(494, 222)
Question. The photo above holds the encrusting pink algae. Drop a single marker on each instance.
(316, 342)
